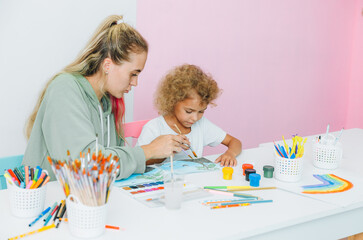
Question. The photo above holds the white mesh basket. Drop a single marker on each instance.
(26, 203)
(85, 221)
(327, 156)
(288, 170)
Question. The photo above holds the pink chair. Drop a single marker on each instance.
(133, 129)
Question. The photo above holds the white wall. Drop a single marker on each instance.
(37, 39)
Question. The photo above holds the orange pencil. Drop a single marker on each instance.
(106, 226)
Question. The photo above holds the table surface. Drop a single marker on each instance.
(291, 215)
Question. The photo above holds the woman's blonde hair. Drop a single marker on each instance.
(114, 39)
(178, 84)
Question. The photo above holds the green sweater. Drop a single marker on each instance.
(69, 119)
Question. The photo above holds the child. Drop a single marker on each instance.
(182, 97)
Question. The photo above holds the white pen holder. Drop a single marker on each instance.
(26, 203)
(327, 154)
(85, 221)
(288, 170)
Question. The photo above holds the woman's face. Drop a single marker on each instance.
(121, 78)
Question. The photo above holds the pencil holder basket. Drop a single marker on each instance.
(327, 156)
(26, 203)
(85, 221)
(288, 170)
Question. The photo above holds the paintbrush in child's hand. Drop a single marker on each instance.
(195, 155)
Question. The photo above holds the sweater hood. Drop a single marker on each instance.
(90, 93)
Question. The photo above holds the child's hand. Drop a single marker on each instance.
(227, 160)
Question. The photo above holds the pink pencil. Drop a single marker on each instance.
(26, 175)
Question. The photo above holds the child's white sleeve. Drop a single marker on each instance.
(148, 134)
(212, 134)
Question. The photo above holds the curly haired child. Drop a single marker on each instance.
(182, 98)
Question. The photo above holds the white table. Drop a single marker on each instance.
(290, 216)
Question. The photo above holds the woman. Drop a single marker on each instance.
(85, 100)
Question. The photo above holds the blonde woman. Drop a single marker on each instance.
(86, 100)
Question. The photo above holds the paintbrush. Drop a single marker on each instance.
(195, 155)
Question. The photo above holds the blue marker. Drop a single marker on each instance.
(39, 217)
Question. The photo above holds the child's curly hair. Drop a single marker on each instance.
(179, 82)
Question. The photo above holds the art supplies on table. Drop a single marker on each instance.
(89, 179)
(42, 229)
(26, 177)
(234, 202)
(87, 183)
(238, 188)
(289, 160)
(27, 189)
(330, 184)
(327, 151)
(152, 194)
(155, 173)
(295, 151)
(106, 226)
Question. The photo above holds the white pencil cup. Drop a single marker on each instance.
(85, 221)
(26, 203)
(327, 155)
(288, 170)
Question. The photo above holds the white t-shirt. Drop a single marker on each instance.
(203, 133)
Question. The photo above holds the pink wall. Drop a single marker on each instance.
(355, 107)
(283, 64)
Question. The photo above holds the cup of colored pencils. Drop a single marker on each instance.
(27, 190)
(87, 183)
(289, 160)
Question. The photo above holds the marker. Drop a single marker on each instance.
(10, 179)
(30, 183)
(39, 217)
(12, 174)
(50, 212)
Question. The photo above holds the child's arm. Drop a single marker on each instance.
(234, 149)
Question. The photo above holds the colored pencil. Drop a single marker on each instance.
(232, 194)
(33, 232)
(106, 226)
(230, 205)
(251, 189)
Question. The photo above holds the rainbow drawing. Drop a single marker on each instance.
(331, 184)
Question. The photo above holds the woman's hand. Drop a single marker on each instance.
(227, 159)
(165, 145)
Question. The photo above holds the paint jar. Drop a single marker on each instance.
(26, 203)
(246, 166)
(255, 179)
(268, 171)
(173, 188)
(327, 153)
(288, 170)
(248, 171)
(227, 173)
(85, 221)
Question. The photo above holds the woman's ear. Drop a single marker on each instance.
(106, 65)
